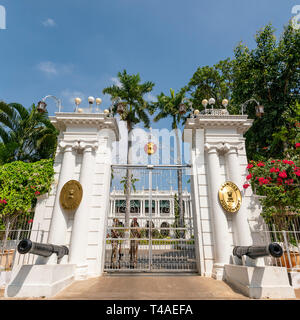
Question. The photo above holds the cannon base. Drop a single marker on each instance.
(30, 281)
(260, 282)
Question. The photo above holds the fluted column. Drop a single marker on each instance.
(79, 236)
(241, 229)
(219, 220)
(58, 226)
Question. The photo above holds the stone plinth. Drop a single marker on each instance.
(39, 280)
(260, 282)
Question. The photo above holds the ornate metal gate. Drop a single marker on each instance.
(152, 238)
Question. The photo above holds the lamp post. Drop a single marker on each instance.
(77, 103)
(91, 101)
(259, 109)
(41, 107)
(186, 104)
(98, 102)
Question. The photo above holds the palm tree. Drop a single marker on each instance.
(25, 135)
(129, 102)
(173, 106)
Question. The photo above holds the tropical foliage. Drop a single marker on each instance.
(25, 135)
(129, 102)
(269, 73)
(20, 185)
(278, 182)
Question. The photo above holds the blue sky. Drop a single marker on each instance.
(76, 47)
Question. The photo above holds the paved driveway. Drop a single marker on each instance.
(148, 287)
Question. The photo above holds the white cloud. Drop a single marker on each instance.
(116, 81)
(47, 67)
(51, 68)
(49, 23)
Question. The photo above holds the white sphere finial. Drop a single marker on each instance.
(225, 103)
(204, 103)
(77, 101)
(98, 101)
(211, 101)
(91, 100)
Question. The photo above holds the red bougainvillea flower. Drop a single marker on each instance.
(297, 145)
(260, 164)
(246, 185)
(289, 181)
(249, 166)
(263, 180)
(285, 161)
(249, 176)
(273, 170)
(3, 201)
(273, 161)
(282, 174)
(297, 173)
(30, 221)
(37, 193)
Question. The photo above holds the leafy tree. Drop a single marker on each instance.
(269, 73)
(20, 185)
(211, 82)
(129, 102)
(25, 135)
(170, 106)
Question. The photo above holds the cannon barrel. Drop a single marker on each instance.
(41, 249)
(273, 249)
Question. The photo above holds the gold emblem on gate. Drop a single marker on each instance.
(71, 195)
(230, 197)
(150, 148)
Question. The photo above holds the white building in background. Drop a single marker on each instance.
(163, 209)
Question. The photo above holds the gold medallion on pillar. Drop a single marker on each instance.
(71, 195)
(230, 197)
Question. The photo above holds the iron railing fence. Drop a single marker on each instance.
(9, 256)
(290, 243)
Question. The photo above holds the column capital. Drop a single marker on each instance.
(85, 146)
(66, 146)
(211, 148)
(232, 148)
(222, 147)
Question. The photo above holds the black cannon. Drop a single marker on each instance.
(41, 249)
(273, 249)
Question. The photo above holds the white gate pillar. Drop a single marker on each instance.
(219, 220)
(58, 226)
(79, 237)
(242, 234)
(209, 136)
